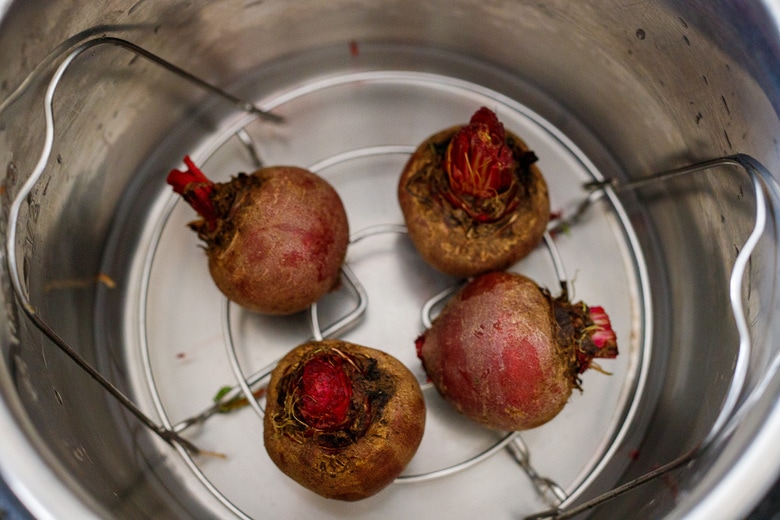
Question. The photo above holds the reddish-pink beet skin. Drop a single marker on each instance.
(493, 353)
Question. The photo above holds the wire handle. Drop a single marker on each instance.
(731, 411)
(19, 288)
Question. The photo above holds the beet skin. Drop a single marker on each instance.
(275, 239)
(507, 354)
(341, 419)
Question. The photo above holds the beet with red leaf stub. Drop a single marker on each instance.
(507, 354)
(275, 239)
(473, 198)
(342, 420)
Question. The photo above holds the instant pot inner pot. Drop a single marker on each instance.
(685, 263)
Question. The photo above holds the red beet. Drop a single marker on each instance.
(473, 199)
(275, 239)
(507, 354)
(342, 420)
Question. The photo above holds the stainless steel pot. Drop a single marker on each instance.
(98, 258)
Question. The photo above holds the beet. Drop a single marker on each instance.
(473, 198)
(507, 354)
(341, 419)
(275, 239)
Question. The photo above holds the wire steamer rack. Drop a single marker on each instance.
(202, 432)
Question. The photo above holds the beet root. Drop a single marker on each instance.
(473, 198)
(507, 354)
(275, 239)
(341, 419)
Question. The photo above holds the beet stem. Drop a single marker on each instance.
(478, 160)
(481, 168)
(602, 334)
(588, 329)
(326, 393)
(193, 185)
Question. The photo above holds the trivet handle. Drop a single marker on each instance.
(736, 404)
(19, 287)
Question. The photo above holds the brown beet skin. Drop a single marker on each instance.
(468, 234)
(350, 434)
(499, 355)
(275, 239)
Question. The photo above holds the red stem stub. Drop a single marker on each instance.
(193, 185)
(587, 329)
(325, 393)
(331, 397)
(481, 169)
(478, 161)
(602, 334)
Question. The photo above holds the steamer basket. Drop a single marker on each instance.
(655, 125)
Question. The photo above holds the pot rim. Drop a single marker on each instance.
(26, 471)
